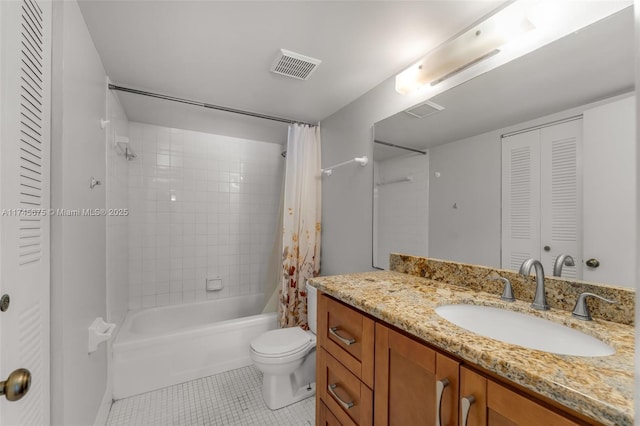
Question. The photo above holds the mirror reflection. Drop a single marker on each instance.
(532, 159)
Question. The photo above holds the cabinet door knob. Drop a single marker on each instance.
(592, 263)
(547, 248)
(467, 402)
(440, 385)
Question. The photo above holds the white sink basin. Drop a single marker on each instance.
(524, 330)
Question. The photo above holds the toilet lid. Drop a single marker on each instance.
(280, 342)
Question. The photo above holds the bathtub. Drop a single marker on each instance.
(164, 346)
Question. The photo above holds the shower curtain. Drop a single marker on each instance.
(301, 223)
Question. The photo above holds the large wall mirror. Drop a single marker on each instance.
(457, 178)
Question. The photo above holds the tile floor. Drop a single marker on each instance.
(229, 398)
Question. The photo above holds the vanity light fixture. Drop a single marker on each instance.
(475, 45)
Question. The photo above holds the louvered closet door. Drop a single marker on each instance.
(520, 198)
(561, 196)
(24, 200)
(542, 197)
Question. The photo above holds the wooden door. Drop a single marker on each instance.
(406, 376)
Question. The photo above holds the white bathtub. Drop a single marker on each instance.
(165, 346)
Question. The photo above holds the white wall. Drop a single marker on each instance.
(222, 222)
(469, 179)
(405, 229)
(347, 195)
(78, 244)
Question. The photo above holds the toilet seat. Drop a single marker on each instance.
(283, 342)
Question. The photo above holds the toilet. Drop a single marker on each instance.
(287, 359)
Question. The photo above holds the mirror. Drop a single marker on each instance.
(447, 201)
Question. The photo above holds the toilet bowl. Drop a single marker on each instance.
(287, 359)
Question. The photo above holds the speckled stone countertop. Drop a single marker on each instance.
(600, 388)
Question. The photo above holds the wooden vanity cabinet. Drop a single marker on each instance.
(347, 335)
(369, 373)
(345, 364)
(494, 404)
(325, 417)
(406, 376)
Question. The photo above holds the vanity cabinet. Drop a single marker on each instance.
(345, 363)
(369, 373)
(414, 384)
(490, 403)
(325, 417)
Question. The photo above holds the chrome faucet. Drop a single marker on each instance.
(507, 290)
(581, 309)
(540, 299)
(562, 260)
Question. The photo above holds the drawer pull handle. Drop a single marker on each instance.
(345, 405)
(467, 402)
(346, 340)
(440, 385)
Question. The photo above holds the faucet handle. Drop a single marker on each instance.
(507, 290)
(581, 309)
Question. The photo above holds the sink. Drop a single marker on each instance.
(524, 330)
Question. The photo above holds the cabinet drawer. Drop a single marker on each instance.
(326, 417)
(348, 335)
(350, 400)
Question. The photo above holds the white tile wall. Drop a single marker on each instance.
(202, 205)
(401, 230)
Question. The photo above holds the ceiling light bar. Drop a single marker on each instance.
(473, 46)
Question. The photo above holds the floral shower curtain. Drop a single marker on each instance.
(301, 223)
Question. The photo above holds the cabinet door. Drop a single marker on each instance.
(507, 408)
(473, 398)
(490, 403)
(406, 377)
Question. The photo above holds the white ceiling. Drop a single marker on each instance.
(220, 52)
(592, 64)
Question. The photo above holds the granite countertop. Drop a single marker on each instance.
(598, 387)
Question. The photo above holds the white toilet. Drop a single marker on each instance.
(287, 358)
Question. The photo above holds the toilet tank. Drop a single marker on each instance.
(312, 308)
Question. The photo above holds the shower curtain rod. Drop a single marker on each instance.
(205, 105)
(400, 146)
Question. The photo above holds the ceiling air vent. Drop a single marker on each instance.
(424, 109)
(294, 65)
